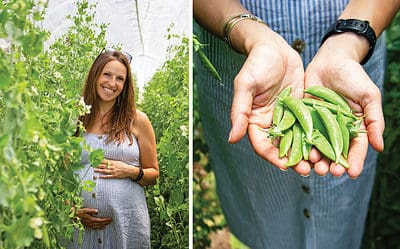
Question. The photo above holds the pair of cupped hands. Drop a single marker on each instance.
(272, 65)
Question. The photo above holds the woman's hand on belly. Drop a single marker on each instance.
(88, 219)
(115, 169)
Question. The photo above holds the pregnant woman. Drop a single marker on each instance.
(114, 213)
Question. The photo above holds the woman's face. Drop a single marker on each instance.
(111, 81)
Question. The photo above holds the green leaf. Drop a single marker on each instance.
(5, 79)
(4, 139)
(95, 157)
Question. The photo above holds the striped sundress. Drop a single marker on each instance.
(263, 206)
(121, 199)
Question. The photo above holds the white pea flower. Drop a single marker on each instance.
(36, 222)
(184, 130)
(38, 234)
(58, 75)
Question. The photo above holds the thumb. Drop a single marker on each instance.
(240, 111)
(375, 123)
(371, 104)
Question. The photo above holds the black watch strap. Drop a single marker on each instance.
(356, 26)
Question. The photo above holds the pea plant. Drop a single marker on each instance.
(207, 213)
(166, 102)
(40, 103)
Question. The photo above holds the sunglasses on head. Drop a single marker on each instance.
(112, 50)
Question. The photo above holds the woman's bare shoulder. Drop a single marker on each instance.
(141, 117)
(142, 123)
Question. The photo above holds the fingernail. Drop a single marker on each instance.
(284, 170)
(305, 175)
(230, 134)
(353, 177)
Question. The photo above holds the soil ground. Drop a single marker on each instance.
(220, 240)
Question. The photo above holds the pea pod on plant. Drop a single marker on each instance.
(328, 95)
(278, 108)
(302, 114)
(296, 154)
(197, 46)
(333, 130)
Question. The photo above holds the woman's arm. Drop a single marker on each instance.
(337, 66)
(144, 133)
(147, 147)
(270, 66)
(212, 14)
(378, 13)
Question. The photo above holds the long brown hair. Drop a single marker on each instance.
(119, 122)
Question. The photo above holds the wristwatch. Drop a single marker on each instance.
(359, 27)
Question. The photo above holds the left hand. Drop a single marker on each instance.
(337, 67)
(114, 169)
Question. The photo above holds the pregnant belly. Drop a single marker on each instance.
(111, 195)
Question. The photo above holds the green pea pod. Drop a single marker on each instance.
(285, 143)
(306, 147)
(333, 129)
(302, 115)
(344, 123)
(278, 108)
(354, 129)
(296, 154)
(317, 123)
(322, 144)
(286, 123)
(328, 95)
(208, 65)
(333, 108)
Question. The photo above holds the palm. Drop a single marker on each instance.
(266, 72)
(347, 78)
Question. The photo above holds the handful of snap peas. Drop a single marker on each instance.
(325, 122)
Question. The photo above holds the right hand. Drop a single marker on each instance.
(88, 220)
(271, 66)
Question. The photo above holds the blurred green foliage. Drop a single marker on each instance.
(383, 223)
(207, 213)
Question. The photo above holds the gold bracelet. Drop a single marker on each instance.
(231, 22)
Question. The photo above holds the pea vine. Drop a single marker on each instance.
(40, 103)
